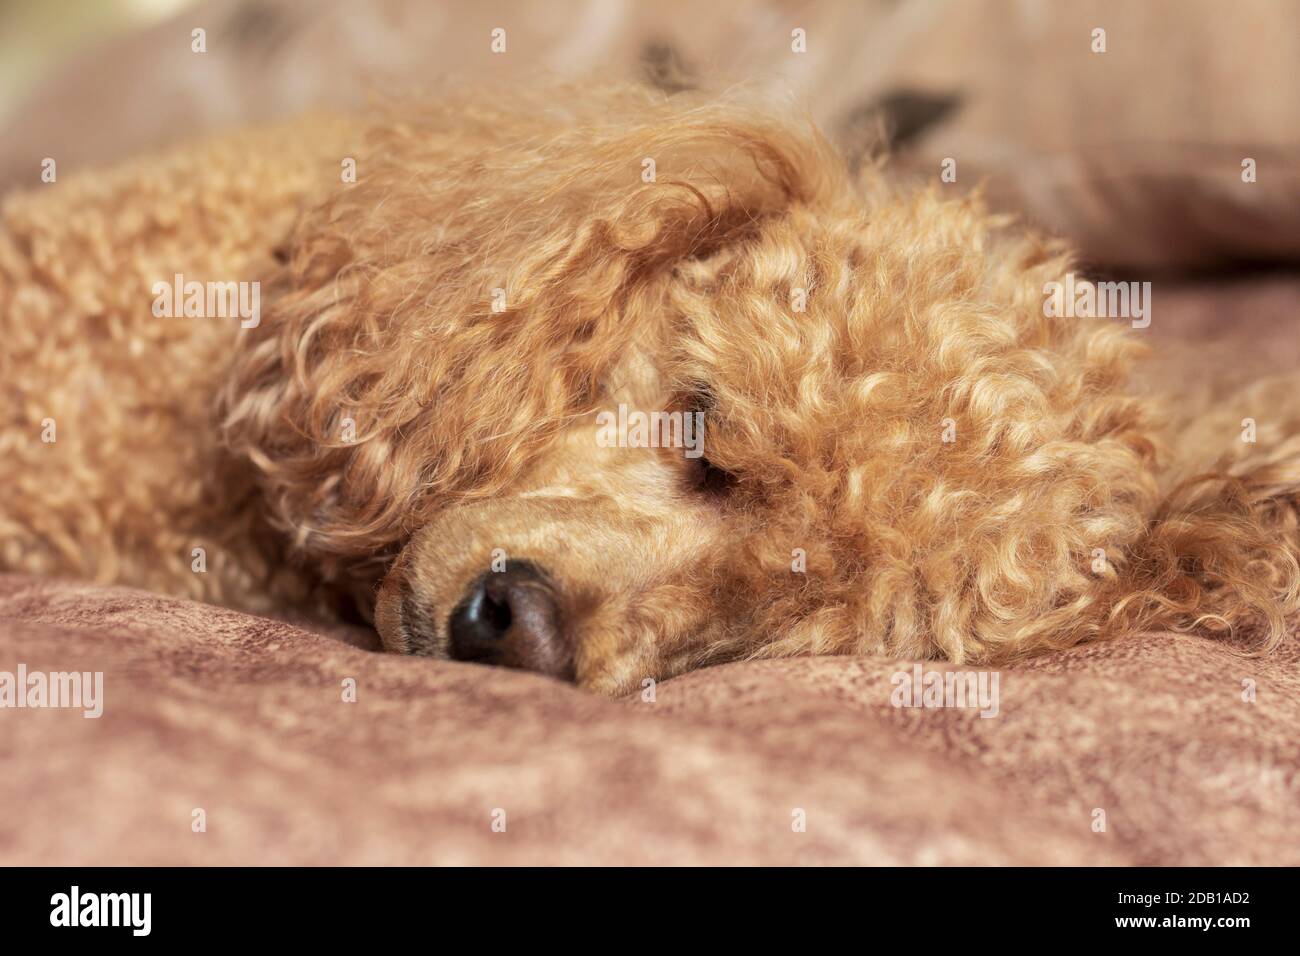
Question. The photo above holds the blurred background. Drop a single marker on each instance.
(35, 36)
(1121, 125)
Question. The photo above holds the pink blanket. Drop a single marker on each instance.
(227, 739)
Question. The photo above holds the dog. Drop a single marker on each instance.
(901, 452)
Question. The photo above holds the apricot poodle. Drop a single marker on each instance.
(902, 451)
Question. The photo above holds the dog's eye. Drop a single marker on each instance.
(711, 479)
(706, 477)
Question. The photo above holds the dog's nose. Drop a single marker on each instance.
(510, 618)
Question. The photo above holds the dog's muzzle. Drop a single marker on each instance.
(508, 618)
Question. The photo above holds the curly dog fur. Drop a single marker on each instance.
(1067, 507)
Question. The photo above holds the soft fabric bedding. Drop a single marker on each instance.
(1183, 749)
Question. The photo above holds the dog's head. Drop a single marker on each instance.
(622, 386)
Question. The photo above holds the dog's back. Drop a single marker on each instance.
(108, 375)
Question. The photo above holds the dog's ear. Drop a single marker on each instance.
(443, 315)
